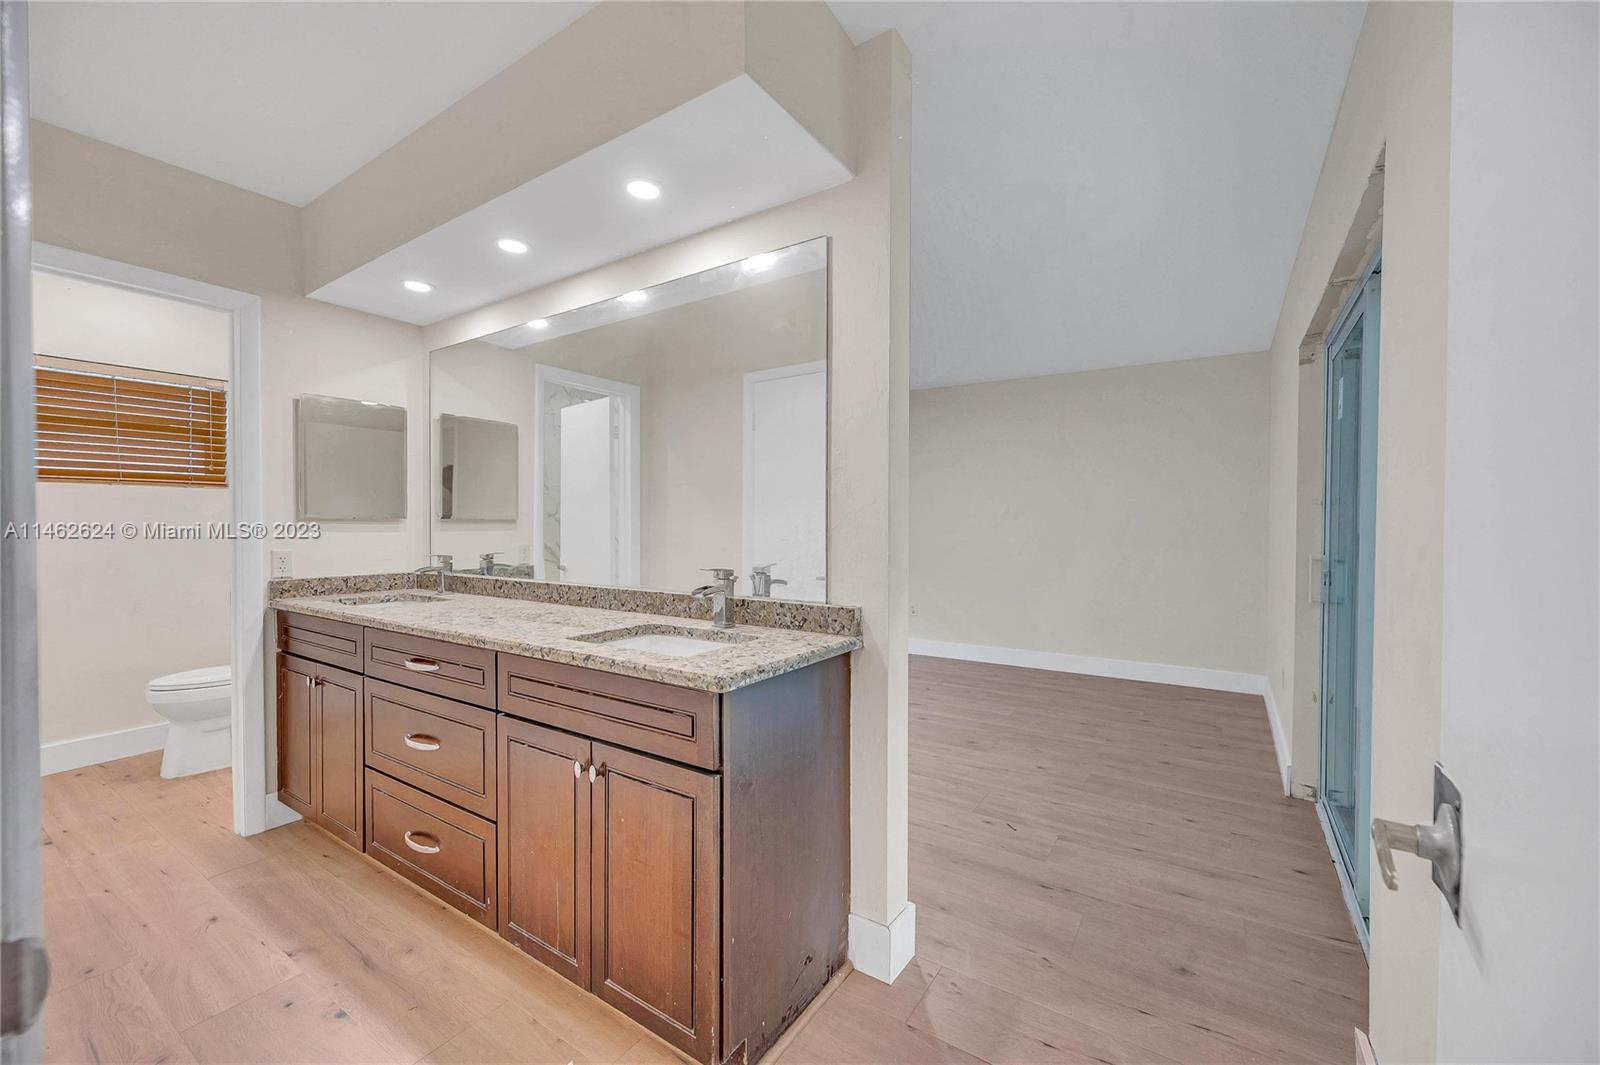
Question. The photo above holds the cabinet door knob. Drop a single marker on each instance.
(421, 665)
(422, 843)
(577, 769)
(420, 742)
(595, 771)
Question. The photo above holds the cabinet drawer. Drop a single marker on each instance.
(676, 723)
(336, 643)
(443, 747)
(448, 669)
(445, 851)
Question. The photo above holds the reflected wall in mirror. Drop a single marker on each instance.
(657, 434)
(477, 469)
(351, 460)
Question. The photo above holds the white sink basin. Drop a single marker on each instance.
(673, 646)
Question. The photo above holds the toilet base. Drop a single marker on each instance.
(197, 747)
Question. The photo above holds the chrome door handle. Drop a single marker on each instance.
(1438, 843)
(412, 839)
(421, 665)
(419, 742)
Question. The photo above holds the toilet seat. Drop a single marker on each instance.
(193, 680)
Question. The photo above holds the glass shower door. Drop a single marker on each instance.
(1350, 458)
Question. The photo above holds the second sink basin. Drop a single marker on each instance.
(669, 640)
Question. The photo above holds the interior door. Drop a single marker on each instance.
(590, 490)
(1349, 528)
(786, 478)
(21, 918)
(656, 859)
(544, 845)
(1519, 977)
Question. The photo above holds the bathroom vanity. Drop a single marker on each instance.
(669, 832)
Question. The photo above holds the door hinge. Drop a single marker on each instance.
(25, 975)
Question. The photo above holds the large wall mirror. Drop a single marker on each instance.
(644, 439)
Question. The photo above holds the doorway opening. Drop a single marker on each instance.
(1349, 532)
(586, 493)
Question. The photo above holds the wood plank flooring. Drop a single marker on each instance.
(1104, 871)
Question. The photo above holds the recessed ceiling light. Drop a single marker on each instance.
(643, 190)
(511, 245)
(636, 296)
(418, 286)
(538, 323)
(758, 263)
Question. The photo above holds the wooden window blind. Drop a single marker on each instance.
(116, 424)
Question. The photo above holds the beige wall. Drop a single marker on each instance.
(1113, 513)
(95, 198)
(868, 223)
(108, 619)
(1396, 103)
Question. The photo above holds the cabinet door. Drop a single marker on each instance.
(297, 734)
(340, 754)
(544, 845)
(657, 896)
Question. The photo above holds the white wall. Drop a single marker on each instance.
(1396, 105)
(1112, 513)
(311, 348)
(1518, 980)
(115, 613)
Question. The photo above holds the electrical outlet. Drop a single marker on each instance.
(282, 563)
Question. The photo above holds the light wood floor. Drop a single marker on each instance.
(1104, 871)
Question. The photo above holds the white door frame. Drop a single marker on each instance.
(254, 809)
(628, 548)
(748, 506)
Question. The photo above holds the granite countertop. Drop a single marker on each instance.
(547, 630)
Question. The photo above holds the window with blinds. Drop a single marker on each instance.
(117, 424)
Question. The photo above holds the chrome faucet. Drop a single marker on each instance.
(718, 594)
(762, 582)
(723, 576)
(441, 567)
(486, 563)
(719, 591)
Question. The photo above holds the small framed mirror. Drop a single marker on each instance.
(350, 460)
(477, 469)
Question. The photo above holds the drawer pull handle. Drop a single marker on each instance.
(421, 665)
(422, 843)
(419, 742)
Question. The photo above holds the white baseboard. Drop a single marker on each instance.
(62, 755)
(881, 951)
(1279, 743)
(1121, 669)
(278, 814)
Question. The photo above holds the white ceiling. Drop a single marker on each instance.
(726, 154)
(284, 99)
(1107, 184)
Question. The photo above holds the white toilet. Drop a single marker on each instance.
(199, 705)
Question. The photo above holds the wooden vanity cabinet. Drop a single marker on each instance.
(683, 855)
(320, 746)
